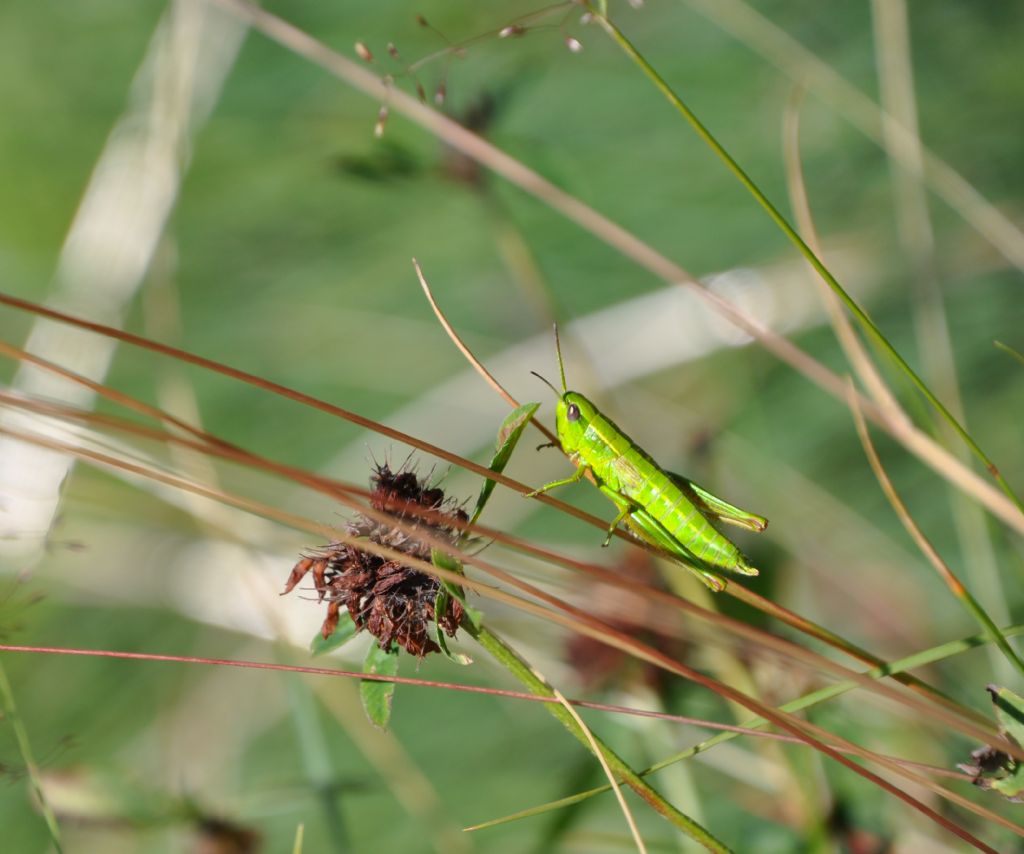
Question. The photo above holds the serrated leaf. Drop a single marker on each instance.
(509, 434)
(377, 696)
(342, 634)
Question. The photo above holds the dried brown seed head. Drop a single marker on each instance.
(392, 601)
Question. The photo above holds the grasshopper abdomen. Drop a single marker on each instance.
(622, 467)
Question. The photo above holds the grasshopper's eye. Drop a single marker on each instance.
(573, 412)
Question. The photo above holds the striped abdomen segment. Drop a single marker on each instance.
(626, 469)
(662, 498)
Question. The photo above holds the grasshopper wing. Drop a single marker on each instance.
(647, 528)
(715, 506)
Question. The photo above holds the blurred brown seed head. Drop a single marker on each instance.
(392, 601)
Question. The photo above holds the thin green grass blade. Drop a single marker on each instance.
(505, 656)
(920, 659)
(316, 758)
(10, 712)
(859, 313)
(1006, 348)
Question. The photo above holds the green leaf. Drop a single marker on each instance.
(1011, 786)
(446, 561)
(508, 437)
(440, 606)
(476, 617)
(443, 560)
(445, 593)
(991, 766)
(1009, 712)
(377, 696)
(343, 633)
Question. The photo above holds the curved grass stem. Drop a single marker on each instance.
(776, 216)
(918, 659)
(510, 660)
(10, 712)
(954, 584)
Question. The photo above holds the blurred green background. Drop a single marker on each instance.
(286, 253)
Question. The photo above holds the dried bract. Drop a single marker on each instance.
(392, 601)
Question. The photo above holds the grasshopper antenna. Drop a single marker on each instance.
(561, 365)
(538, 376)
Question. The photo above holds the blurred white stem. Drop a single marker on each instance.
(111, 243)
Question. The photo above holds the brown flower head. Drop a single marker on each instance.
(392, 601)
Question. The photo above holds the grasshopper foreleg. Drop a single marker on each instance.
(576, 477)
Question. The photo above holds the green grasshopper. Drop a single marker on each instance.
(661, 508)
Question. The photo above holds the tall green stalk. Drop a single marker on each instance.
(511, 661)
(25, 748)
(911, 662)
(862, 317)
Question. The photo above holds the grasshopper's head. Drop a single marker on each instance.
(572, 417)
(573, 412)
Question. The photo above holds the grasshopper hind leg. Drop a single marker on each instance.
(711, 504)
(648, 529)
(625, 508)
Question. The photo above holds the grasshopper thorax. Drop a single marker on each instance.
(573, 415)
